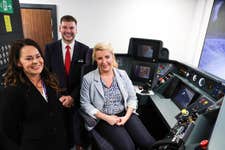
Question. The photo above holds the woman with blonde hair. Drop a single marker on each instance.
(107, 95)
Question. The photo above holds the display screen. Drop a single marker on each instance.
(145, 51)
(213, 52)
(183, 96)
(142, 71)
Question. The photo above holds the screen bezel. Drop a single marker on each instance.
(136, 42)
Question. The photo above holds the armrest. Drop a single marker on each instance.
(87, 118)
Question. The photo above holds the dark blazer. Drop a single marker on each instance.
(28, 122)
(54, 61)
(72, 83)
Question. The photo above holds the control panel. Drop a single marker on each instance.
(206, 82)
(199, 97)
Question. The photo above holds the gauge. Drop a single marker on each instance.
(194, 78)
(201, 82)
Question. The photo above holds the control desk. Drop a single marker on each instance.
(188, 101)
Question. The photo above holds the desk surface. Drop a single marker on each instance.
(166, 107)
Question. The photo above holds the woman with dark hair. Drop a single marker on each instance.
(31, 115)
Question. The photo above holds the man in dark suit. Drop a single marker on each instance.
(68, 74)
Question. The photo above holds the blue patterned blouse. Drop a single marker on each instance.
(113, 99)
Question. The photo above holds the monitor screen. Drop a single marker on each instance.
(183, 96)
(142, 73)
(145, 49)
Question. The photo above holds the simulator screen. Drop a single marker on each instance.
(213, 52)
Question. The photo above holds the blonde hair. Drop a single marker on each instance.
(103, 46)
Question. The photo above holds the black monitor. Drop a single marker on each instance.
(145, 49)
(143, 73)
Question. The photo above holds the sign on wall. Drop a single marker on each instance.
(6, 6)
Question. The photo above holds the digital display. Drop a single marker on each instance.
(183, 97)
(145, 51)
(213, 52)
(142, 71)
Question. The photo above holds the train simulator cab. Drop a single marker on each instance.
(180, 105)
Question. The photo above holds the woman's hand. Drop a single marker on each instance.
(110, 119)
(122, 120)
(113, 119)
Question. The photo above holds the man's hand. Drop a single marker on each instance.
(67, 101)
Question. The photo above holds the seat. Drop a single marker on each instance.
(100, 142)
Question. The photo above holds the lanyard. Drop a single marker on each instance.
(44, 91)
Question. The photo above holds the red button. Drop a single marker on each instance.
(204, 144)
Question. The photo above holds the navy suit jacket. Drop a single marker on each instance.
(54, 61)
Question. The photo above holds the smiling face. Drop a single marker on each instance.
(68, 31)
(31, 61)
(104, 59)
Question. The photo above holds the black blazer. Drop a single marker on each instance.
(28, 122)
(54, 61)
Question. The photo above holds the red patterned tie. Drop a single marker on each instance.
(67, 60)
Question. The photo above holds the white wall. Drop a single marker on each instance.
(180, 24)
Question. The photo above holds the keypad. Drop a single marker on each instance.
(4, 55)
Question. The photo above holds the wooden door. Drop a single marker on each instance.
(37, 25)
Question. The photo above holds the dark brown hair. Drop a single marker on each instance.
(15, 74)
(68, 18)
